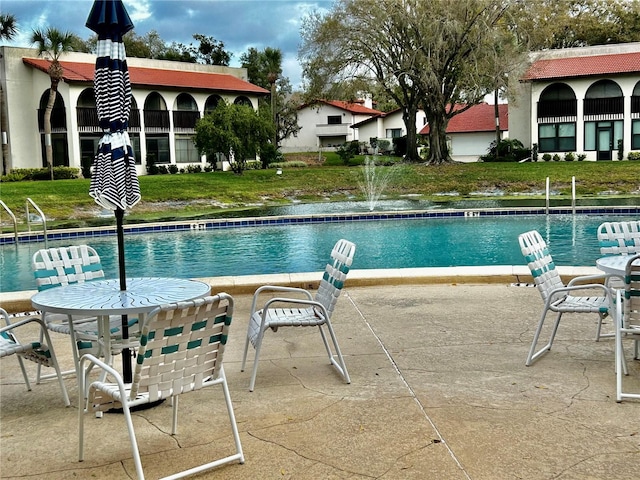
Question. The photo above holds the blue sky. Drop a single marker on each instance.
(239, 24)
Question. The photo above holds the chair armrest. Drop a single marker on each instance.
(293, 301)
(588, 278)
(22, 322)
(275, 288)
(570, 288)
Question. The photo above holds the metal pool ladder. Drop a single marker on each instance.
(13, 218)
(34, 220)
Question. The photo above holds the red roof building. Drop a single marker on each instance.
(584, 101)
(168, 98)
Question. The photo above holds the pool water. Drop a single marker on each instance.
(381, 244)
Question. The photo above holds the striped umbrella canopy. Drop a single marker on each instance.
(114, 182)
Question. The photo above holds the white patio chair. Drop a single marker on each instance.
(618, 238)
(181, 350)
(302, 312)
(557, 296)
(55, 267)
(38, 352)
(627, 323)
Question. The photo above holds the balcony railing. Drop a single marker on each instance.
(156, 121)
(58, 120)
(332, 130)
(88, 120)
(635, 104)
(604, 106)
(185, 120)
(557, 108)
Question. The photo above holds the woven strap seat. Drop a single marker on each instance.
(181, 350)
(35, 351)
(619, 238)
(628, 325)
(557, 296)
(302, 309)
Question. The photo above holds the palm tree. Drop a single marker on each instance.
(272, 58)
(8, 30)
(51, 44)
(8, 26)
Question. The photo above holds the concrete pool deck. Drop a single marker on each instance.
(439, 391)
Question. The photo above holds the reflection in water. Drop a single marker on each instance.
(383, 244)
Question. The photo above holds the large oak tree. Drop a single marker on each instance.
(437, 55)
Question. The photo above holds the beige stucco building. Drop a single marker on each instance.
(168, 99)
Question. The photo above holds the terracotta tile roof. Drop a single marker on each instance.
(356, 108)
(479, 118)
(155, 77)
(583, 66)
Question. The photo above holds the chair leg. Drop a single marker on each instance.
(533, 355)
(339, 364)
(174, 415)
(132, 438)
(256, 356)
(56, 366)
(24, 372)
(232, 417)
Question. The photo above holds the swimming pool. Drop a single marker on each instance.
(302, 247)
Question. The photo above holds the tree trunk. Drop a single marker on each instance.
(496, 114)
(438, 148)
(48, 148)
(6, 166)
(273, 114)
(409, 117)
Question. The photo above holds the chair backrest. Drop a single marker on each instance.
(540, 263)
(335, 274)
(182, 346)
(619, 238)
(53, 267)
(632, 292)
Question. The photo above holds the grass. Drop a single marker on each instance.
(66, 203)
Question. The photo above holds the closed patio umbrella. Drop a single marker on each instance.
(114, 182)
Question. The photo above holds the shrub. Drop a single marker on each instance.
(582, 156)
(506, 150)
(162, 169)
(291, 164)
(400, 146)
(346, 152)
(383, 146)
(620, 150)
(193, 168)
(269, 154)
(59, 173)
(546, 157)
(633, 156)
(569, 157)
(556, 157)
(173, 169)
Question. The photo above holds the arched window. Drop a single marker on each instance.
(86, 112)
(242, 100)
(185, 114)
(156, 126)
(557, 116)
(211, 103)
(604, 98)
(58, 130)
(557, 100)
(635, 115)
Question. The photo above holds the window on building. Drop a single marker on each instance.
(158, 149)
(557, 137)
(393, 132)
(334, 120)
(186, 151)
(635, 135)
(616, 129)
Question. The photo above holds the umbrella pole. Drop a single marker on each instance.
(126, 352)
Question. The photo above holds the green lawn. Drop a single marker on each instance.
(67, 203)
